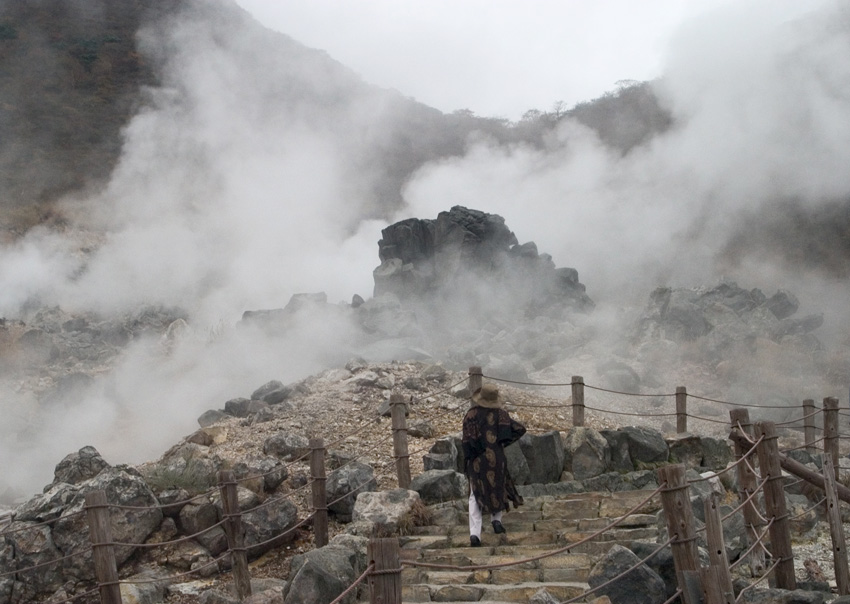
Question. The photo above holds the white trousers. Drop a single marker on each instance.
(475, 517)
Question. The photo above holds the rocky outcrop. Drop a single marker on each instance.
(723, 316)
(424, 258)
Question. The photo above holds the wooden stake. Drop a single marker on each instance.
(385, 580)
(809, 425)
(680, 525)
(400, 452)
(681, 409)
(717, 551)
(103, 552)
(578, 401)
(235, 533)
(836, 530)
(830, 431)
(774, 502)
(319, 489)
(476, 379)
(746, 486)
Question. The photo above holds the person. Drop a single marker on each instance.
(487, 430)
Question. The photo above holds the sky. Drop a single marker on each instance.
(226, 199)
(497, 58)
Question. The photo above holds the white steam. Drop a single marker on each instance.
(233, 194)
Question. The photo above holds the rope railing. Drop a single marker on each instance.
(439, 392)
(759, 580)
(757, 543)
(82, 552)
(29, 527)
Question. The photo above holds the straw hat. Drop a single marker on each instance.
(487, 396)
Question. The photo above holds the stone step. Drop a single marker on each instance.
(478, 592)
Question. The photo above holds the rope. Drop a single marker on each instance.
(40, 524)
(627, 393)
(77, 597)
(759, 580)
(753, 406)
(561, 550)
(164, 543)
(439, 392)
(171, 578)
(48, 563)
(756, 543)
(357, 582)
(814, 442)
(495, 379)
(706, 419)
(631, 414)
(745, 501)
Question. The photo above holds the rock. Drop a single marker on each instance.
(71, 534)
(388, 511)
(287, 446)
(436, 486)
(80, 466)
(586, 453)
(782, 304)
(345, 484)
(237, 407)
(517, 464)
(640, 586)
(321, 575)
(645, 445)
(197, 515)
(780, 596)
(420, 429)
(269, 525)
(545, 456)
(272, 392)
(618, 450)
(210, 417)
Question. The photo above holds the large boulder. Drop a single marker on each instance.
(646, 445)
(322, 574)
(640, 586)
(436, 486)
(545, 456)
(587, 452)
(287, 446)
(80, 466)
(269, 525)
(345, 484)
(387, 511)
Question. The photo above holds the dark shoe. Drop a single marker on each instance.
(498, 528)
(474, 541)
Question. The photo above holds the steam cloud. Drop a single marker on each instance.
(231, 194)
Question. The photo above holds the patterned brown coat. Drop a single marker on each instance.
(486, 433)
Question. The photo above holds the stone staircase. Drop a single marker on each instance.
(542, 525)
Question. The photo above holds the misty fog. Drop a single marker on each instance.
(233, 194)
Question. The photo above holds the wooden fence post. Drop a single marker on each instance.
(746, 486)
(578, 401)
(319, 490)
(809, 425)
(830, 431)
(680, 526)
(681, 409)
(774, 503)
(103, 553)
(385, 580)
(476, 379)
(398, 410)
(836, 530)
(234, 532)
(724, 593)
